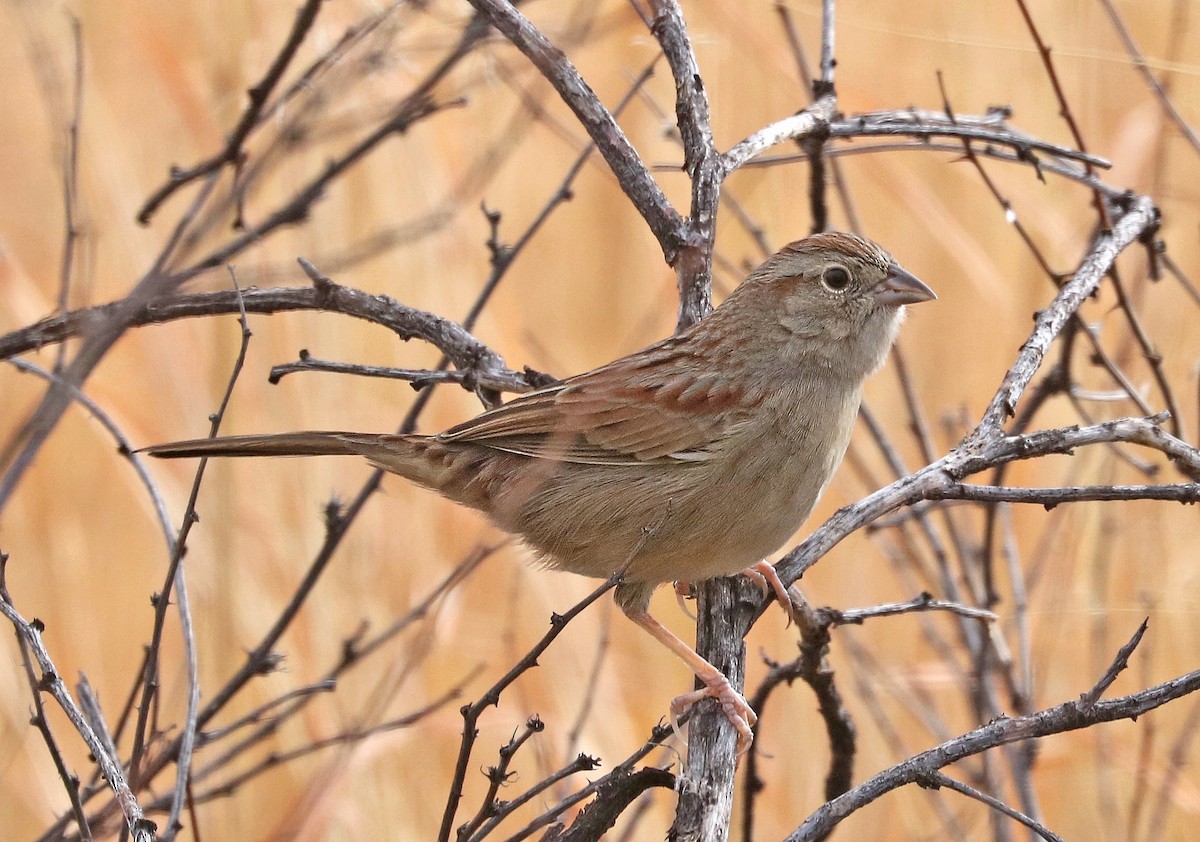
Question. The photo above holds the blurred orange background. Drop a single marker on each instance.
(163, 84)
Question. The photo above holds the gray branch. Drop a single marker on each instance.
(601, 126)
(142, 828)
(1069, 716)
(464, 350)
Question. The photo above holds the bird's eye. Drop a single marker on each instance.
(836, 278)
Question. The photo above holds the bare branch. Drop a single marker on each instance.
(491, 697)
(964, 461)
(936, 780)
(143, 829)
(924, 602)
(817, 117)
(1056, 720)
(1088, 700)
(1139, 61)
(633, 175)
(1141, 215)
(1188, 492)
(306, 15)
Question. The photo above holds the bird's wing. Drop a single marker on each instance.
(655, 406)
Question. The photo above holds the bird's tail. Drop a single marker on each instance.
(419, 458)
(275, 444)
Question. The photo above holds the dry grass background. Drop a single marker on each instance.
(165, 82)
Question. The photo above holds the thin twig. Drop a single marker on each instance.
(598, 787)
(71, 185)
(924, 602)
(647, 197)
(1068, 716)
(259, 93)
(491, 697)
(937, 780)
(498, 776)
(353, 736)
(143, 829)
(175, 578)
(1089, 699)
(1188, 492)
(1139, 61)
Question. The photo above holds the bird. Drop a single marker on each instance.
(693, 458)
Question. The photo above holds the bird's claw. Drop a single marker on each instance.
(736, 709)
(683, 592)
(763, 574)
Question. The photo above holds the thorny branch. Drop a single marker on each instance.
(259, 93)
(1068, 716)
(491, 697)
(50, 682)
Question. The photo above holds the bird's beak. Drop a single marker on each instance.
(899, 287)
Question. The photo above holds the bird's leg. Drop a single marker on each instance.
(763, 574)
(716, 685)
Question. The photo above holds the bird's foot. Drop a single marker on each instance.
(763, 574)
(736, 709)
(683, 592)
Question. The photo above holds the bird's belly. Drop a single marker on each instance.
(735, 522)
(695, 522)
(761, 523)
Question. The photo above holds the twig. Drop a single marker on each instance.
(1142, 214)
(1139, 61)
(89, 703)
(924, 602)
(937, 780)
(325, 296)
(1149, 352)
(599, 787)
(581, 763)
(1064, 105)
(40, 721)
(1188, 492)
(419, 378)
(961, 462)
(350, 737)
(71, 185)
(306, 15)
(1056, 720)
(1059, 167)
(491, 697)
(30, 634)
(1010, 215)
(926, 125)
(818, 117)
(664, 221)
(498, 776)
(839, 179)
(1089, 699)
(260, 713)
(175, 577)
